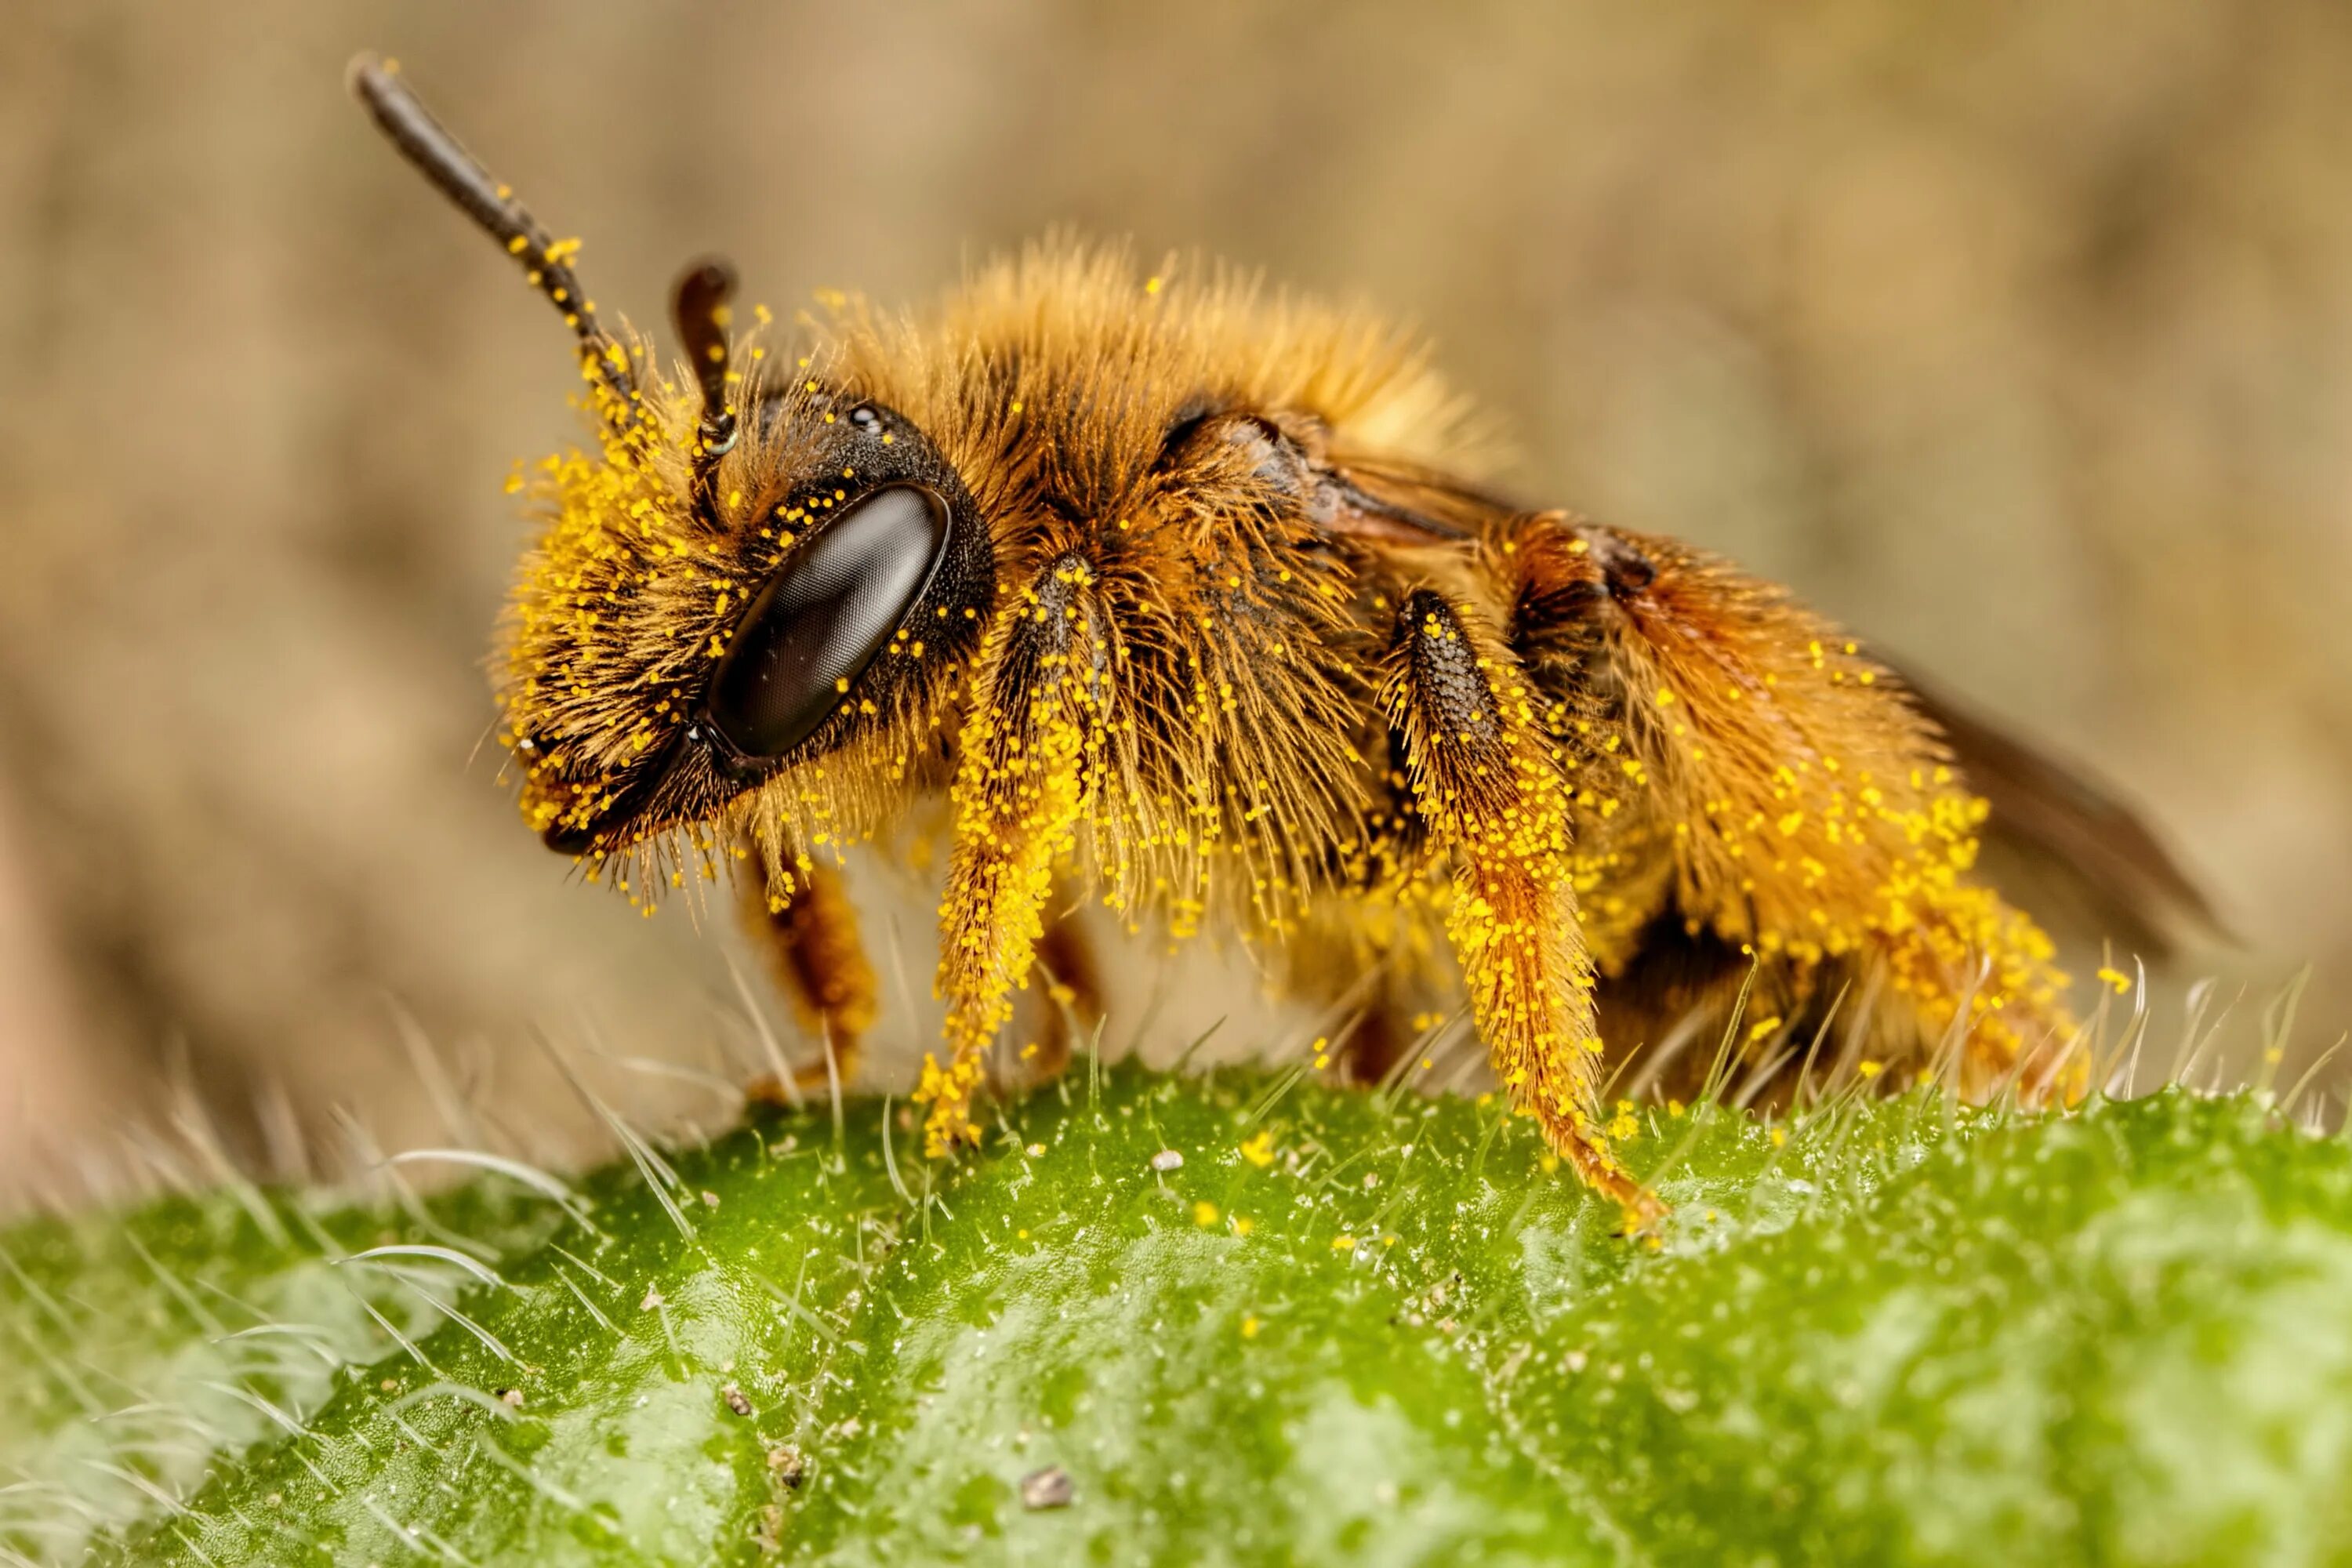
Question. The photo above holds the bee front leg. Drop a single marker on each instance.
(1030, 759)
(1486, 782)
(813, 949)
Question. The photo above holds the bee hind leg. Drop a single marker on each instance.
(1486, 782)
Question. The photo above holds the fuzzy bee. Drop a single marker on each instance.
(1159, 591)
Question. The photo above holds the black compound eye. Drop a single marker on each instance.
(803, 644)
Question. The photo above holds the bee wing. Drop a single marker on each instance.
(1376, 503)
(2070, 831)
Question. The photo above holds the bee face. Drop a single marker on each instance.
(689, 629)
(733, 586)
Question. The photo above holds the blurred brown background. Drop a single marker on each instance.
(2016, 336)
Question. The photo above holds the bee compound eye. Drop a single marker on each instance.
(821, 619)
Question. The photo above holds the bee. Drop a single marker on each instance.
(1166, 592)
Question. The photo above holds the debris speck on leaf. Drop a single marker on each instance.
(787, 1467)
(1048, 1488)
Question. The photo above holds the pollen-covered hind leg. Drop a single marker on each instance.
(1486, 782)
(1031, 754)
(812, 943)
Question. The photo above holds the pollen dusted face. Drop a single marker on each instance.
(679, 647)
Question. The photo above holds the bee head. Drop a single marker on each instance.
(752, 573)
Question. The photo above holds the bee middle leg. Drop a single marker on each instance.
(1072, 1000)
(1488, 787)
(1370, 961)
(816, 953)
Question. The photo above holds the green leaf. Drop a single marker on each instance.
(1238, 1319)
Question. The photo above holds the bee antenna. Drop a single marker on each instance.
(428, 144)
(699, 307)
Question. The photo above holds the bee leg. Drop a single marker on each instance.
(1375, 1042)
(1031, 753)
(1388, 1024)
(812, 944)
(1488, 787)
(1074, 999)
(1370, 960)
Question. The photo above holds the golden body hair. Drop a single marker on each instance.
(1187, 606)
